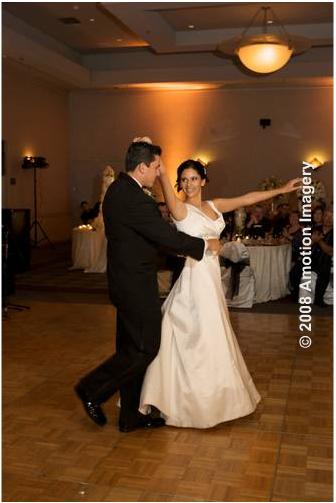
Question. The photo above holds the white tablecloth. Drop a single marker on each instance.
(271, 266)
(89, 250)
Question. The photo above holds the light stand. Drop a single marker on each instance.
(36, 163)
(8, 276)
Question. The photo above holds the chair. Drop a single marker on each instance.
(237, 253)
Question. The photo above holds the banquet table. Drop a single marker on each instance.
(271, 266)
(270, 263)
(89, 249)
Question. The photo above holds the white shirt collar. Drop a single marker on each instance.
(137, 181)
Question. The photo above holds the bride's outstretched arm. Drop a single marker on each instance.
(224, 205)
(176, 207)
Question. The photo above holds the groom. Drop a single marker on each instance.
(134, 230)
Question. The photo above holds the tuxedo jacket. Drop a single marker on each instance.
(135, 231)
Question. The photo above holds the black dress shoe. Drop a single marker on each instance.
(143, 422)
(95, 412)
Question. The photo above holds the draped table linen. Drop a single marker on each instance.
(89, 250)
(271, 266)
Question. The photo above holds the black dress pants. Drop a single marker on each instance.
(322, 270)
(295, 278)
(137, 343)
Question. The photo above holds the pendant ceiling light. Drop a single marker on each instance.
(267, 52)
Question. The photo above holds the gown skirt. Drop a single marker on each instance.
(199, 377)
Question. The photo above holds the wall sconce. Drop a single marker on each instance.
(204, 163)
(316, 163)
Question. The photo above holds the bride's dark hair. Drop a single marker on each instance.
(190, 163)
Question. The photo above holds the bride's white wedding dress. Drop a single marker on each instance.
(199, 377)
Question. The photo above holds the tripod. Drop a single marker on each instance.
(8, 275)
(36, 224)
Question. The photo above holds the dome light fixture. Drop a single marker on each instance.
(267, 52)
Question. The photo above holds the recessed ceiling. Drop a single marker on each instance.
(96, 31)
(239, 15)
(119, 44)
(99, 30)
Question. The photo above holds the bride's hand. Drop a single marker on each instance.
(292, 185)
(162, 168)
(145, 139)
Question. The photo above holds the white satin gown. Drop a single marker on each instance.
(199, 377)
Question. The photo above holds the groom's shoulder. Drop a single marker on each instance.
(120, 185)
(123, 191)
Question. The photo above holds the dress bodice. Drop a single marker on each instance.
(198, 224)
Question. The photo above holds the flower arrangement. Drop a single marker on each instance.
(107, 178)
(319, 191)
(271, 182)
(239, 221)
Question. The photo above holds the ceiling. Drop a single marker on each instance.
(103, 26)
(111, 44)
(238, 15)
(96, 30)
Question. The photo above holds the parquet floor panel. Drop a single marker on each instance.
(52, 452)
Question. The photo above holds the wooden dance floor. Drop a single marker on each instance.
(52, 452)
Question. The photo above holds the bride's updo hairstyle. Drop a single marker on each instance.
(196, 165)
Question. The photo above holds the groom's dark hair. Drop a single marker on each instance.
(139, 152)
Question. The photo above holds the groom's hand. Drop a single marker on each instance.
(213, 246)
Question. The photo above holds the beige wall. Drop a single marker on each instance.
(35, 122)
(219, 125)
(81, 135)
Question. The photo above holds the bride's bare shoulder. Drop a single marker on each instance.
(180, 211)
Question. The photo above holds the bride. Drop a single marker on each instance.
(199, 377)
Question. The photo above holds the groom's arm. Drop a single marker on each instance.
(144, 218)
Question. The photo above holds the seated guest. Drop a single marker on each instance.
(280, 219)
(228, 230)
(249, 210)
(258, 225)
(317, 218)
(321, 204)
(293, 232)
(163, 208)
(88, 214)
(322, 252)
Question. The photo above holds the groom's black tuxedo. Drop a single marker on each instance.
(135, 230)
